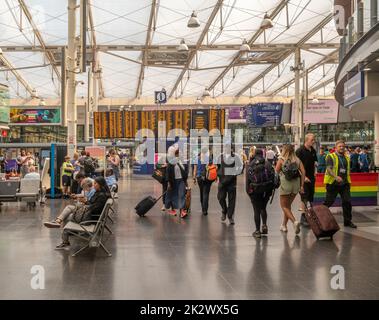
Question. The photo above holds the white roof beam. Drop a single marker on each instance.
(299, 44)
(192, 52)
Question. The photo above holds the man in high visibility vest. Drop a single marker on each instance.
(337, 180)
(67, 171)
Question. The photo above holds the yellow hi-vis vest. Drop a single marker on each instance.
(328, 179)
(66, 166)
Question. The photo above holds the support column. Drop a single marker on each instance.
(71, 83)
(297, 100)
(95, 98)
(89, 105)
(376, 139)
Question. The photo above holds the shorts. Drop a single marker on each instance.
(66, 181)
(288, 187)
(309, 191)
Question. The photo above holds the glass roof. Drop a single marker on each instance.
(126, 23)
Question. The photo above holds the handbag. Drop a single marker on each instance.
(81, 214)
(159, 175)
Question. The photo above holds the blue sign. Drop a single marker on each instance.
(264, 114)
(353, 90)
(160, 97)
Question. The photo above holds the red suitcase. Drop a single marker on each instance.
(321, 221)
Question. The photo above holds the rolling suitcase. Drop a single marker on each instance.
(146, 204)
(321, 221)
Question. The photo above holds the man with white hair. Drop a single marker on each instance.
(32, 174)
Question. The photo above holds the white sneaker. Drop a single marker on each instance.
(115, 196)
(163, 208)
(296, 226)
(283, 228)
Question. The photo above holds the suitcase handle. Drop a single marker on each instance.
(156, 200)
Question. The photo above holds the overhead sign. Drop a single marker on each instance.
(264, 114)
(325, 111)
(160, 97)
(237, 113)
(354, 89)
(35, 116)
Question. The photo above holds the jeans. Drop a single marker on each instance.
(205, 188)
(227, 191)
(164, 189)
(332, 190)
(67, 211)
(259, 202)
(176, 196)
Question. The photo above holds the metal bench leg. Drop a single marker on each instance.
(105, 249)
(80, 250)
(110, 218)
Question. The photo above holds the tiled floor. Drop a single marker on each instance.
(163, 257)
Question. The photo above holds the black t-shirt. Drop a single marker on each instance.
(308, 158)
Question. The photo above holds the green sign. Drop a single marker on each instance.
(4, 105)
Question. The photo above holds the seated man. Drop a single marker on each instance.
(32, 174)
(110, 178)
(68, 211)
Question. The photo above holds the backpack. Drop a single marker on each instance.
(291, 170)
(261, 176)
(89, 167)
(211, 172)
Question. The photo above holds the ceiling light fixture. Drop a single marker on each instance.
(244, 46)
(206, 92)
(193, 21)
(266, 22)
(367, 69)
(182, 46)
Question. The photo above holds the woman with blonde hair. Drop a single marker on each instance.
(251, 153)
(292, 173)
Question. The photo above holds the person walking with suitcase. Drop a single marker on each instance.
(260, 176)
(204, 173)
(228, 167)
(176, 177)
(292, 173)
(308, 156)
(337, 180)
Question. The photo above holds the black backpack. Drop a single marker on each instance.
(261, 176)
(89, 166)
(291, 170)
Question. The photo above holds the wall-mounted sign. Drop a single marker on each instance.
(264, 114)
(353, 89)
(237, 113)
(35, 116)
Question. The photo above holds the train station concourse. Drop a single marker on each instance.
(203, 150)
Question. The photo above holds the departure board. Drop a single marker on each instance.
(105, 124)
(200, 119)
(97, 124)
(125, 124)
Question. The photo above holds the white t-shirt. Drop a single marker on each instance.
(178, 173)
(270, 155)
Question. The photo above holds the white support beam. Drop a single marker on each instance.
(49, 56)
(94, 48)
(154, 7)
(330, 58)
(321, 85)
(299, 44)
(256, 35)
(4, 61)
(192, 53)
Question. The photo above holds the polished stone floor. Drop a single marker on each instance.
(164, 257)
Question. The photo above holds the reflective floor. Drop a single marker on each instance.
(164, 257)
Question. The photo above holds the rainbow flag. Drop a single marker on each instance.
(364, 190)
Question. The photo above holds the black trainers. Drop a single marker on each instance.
(223, 217)
(62, 246)
(257, 234)
(264, 230)
(350, 224)
(231, 221)
(205, 213)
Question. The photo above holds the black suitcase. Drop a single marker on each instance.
(146, 204)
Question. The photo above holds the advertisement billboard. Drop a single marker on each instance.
(264, 114)
(35, 116)
(237, 115)
(4, 104)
